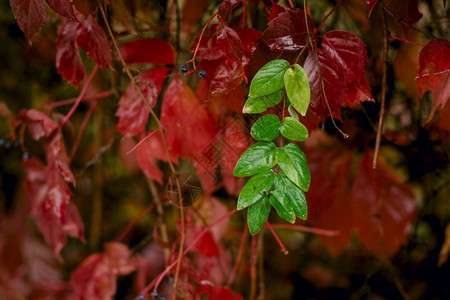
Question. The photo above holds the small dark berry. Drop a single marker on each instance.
(8, 144)
(2, 142)
(16, 144)
(141, 297)
(202, 73)
(26, 155)
(183, 69)
(155, 295)
(163, 298)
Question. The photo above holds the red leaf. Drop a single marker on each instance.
(30, 15)
(407, 11)
(371, 5)
(189, 128)
(133, 112)
(151, 51)
(38, 123)
(93, 39)
(96, 277)
(235, 140)
(276, 10)
(62, 8)
(68, 59)
(342, 59)
(347, 194)
(53, 225)
(206, 244)
(152, 148)
(287, 32)
(58, 173)
(223, 75)
(225, 9)
(219, 293)
(230, 43)
(433, 73)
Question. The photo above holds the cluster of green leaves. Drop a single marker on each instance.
(280, 173)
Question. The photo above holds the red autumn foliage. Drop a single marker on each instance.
(133, 112)
(96, 277)
(205, 135)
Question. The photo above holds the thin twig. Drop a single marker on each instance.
(283, 248)
(239, 256)
(126, 69)
(291, 4)
(78, 100)
(306, 229)
(82, 129)
(156, 283)
(383, 89)
(322, 85)
(406, 40)
(52, 105)
(160, 210)
(326, 17)
(253, 260)
(192, 60)
(133, 222)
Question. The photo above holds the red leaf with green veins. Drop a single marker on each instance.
(68, 59)
(93, 39)
(433, 73)
(62, 8)
(287, 32)
(150, 51)
(342, 58)
(230, 43)
(189, 128)
(30, 15)
(225, 9)
(132, 112)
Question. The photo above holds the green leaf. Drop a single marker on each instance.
(257, 158)
(257, 215)
(297, 88)
(292, 112)
(259, 104)
(283, 208)
(266, 128)
(287, 189)
(255, 189)
(292, 162)
(269, 78)
(293, 130)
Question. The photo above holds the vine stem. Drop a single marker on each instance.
(406, 40)
(192, 60)
(291, 4)
(80, 96)
(283, 248)
(156, 282)
(322, 85)
(329, 14)
(126, 69)
(82, 129)
(306, 229)
(253, 260)
(383, 90)
(133, 222)
(239, 256)
(52, 105)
